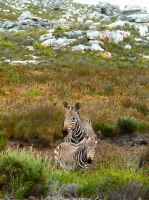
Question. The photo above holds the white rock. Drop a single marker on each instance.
(25, 15)
(79, 47)
(139, 18)
(91, 42)
(74, 33)
(129, 10)
(89, 22)
(146, 57)
(112, 36)
(24, 62)
(92, 34)
(30, 48)
(80, 20)
(127, 46)
(46, 37)
(143, 30)
(138, 39)
(57, 43)
(95, 47)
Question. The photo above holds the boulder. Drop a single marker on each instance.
(74, 34)
(127, 46)
(94, 45)
(130, 10)
(79, 47)
(23, 62)
(107, 8)
(58, 43)
(111, 36)
(8, 25)
(138, 18)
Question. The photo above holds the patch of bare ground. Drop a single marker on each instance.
(107, 152)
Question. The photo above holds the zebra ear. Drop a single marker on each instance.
(77, 106)
(65, 104)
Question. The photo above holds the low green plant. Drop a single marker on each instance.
(101, 180)
(20, 170)
(34, 93)
(3, 141)
(107, 130)
(44, 51)
(128, 124)
(5, 43)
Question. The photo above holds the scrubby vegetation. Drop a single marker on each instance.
(20, 172)
(128, 124)
(32, 174)
(37, 120)
(114, 95)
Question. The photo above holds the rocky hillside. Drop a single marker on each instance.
(66, 25)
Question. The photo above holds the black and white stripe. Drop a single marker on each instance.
(76, 127)
(69, 157)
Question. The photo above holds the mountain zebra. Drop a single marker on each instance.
(76, 127)
(69, 157)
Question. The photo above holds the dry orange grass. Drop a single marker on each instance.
(104, 93)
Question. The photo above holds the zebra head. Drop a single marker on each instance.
(71, 117)
(91, 144)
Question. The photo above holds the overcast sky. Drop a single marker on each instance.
(121, 3)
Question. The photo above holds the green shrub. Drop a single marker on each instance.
(98, 181)
(127, 124)
(20, 171)
(3, 141)
(34, 93)
(107, 130)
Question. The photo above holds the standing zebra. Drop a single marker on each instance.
(76, 127)
(69, 157)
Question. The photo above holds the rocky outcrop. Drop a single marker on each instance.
(139, 18)
(79, 28)
(43, 4)
(25, 20)
(136, 14)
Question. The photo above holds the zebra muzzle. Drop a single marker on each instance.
(65, 131)
(89, 160)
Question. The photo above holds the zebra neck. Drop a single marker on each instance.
(78, 128)
(78, 133)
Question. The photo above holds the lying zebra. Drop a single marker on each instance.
(76, 127)
(69, 157)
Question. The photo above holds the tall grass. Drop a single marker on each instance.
(41, 120)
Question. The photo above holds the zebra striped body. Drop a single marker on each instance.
(77, 128)
(69, 157)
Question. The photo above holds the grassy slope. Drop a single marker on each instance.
(108, 87)
(30, 103)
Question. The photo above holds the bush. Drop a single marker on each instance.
(41, 120)
(3, 141)
(107, 130)
(127, 124)
(21, 171)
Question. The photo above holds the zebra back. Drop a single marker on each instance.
(69, 157)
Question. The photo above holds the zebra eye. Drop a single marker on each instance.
(73, 118)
